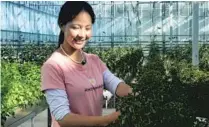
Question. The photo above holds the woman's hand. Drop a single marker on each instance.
(123, 90)
(111, 118)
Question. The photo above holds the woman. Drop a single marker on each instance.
(72, 80)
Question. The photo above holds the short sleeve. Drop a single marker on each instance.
(51, 77)
(102, 65)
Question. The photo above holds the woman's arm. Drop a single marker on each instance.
(115, 85)
(75, 120)
(59, 107)
(123, 90)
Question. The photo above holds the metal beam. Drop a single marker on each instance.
(195, 33)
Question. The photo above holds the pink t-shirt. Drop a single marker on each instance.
(83, 83)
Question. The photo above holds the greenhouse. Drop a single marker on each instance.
(159, 48)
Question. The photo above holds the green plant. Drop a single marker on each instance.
(28, 53)
(204, 57)
(129, 64)
(180, 53)
(20, 87)
(8, 53)
(165, 97)
(171, 91)
(198, 83)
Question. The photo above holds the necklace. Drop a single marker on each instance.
(92, 81)
(83, 61)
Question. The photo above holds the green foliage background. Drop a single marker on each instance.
(171, 92)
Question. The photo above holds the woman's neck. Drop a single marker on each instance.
(71, 52)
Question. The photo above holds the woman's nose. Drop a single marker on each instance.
(82, 33)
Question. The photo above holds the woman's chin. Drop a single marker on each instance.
(78, 47)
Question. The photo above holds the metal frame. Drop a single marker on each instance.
(30, 116)
(195, 34)
(127, 10)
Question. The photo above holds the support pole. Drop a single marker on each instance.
(49, 117)
(195, 33)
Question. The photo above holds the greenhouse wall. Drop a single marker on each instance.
(117, 23)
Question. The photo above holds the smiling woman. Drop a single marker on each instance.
(73, 80)
(77, 32)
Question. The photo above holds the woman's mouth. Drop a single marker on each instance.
(78, 41)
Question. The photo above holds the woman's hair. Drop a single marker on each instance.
(69, 11)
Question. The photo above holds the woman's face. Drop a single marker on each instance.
(78, 31)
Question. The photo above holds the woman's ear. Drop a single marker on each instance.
(62, 28)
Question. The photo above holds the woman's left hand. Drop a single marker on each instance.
(123, 90)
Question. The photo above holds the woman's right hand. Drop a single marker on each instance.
(108, 119)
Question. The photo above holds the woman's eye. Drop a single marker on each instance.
(74, 27)
(88, 28)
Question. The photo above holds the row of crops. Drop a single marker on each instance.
(172, 91)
